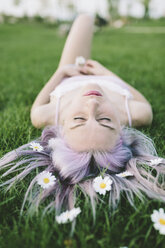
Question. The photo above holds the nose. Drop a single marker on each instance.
(92, 105)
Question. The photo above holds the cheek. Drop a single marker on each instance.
(67, 108)
(73, 108)
(110, 110)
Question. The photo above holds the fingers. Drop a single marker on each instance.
(87, 70)
(91, 63)
(75, 72)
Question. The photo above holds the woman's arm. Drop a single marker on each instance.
(42, 113)
(43, 97)
(141, 113)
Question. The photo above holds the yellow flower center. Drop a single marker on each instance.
(36, 147)
(67, 242)
(102, 185)
(46, 180)
(162, 221)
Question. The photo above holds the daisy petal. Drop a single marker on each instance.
(68, 216)
(124, 174)
(46, 180)
(158, 217)
(102, 185)
(156, 161)
(36, 146)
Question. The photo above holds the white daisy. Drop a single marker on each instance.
(68, 216)
(74, 212)
(101, 185)
(36, 147)
(62, 218)
(158, 217)
(156, 161)
(45, 179)
(124, 174)
(80, 61)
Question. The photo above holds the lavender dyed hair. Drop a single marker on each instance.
(133, 152)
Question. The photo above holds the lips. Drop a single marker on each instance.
(93, 93)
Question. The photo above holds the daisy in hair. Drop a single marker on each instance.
(124, 174)
(156, 161)
(36, 147)
(101, 185)
(45, 179)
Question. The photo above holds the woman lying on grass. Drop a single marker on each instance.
(86, 143)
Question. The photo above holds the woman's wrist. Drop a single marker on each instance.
(108, 73)
(60, 72)
(68, 70)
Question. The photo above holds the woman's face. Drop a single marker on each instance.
(90, 121)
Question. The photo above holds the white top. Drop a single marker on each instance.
(112, 83)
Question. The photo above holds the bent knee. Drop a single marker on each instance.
(85, 18)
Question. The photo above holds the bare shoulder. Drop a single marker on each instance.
(140, 108)
(141, 113)
(43, 115)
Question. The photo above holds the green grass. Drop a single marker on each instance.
(29, 55)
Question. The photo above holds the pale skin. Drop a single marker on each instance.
(88, 122)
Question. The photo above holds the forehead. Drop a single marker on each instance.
(85, 138)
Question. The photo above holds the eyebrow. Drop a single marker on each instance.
(79, 125)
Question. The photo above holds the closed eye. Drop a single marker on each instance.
(104, 119)
(79, 118)
(107, 119)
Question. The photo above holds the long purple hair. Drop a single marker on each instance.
(133, 152)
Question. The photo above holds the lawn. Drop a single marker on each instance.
(29, 55)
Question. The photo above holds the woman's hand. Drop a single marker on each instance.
(92, 67)
(69, 70)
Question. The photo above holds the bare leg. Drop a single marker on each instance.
(79, 40)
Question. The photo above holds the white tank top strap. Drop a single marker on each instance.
(57, 110)
(111, 82)
(128, 112)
